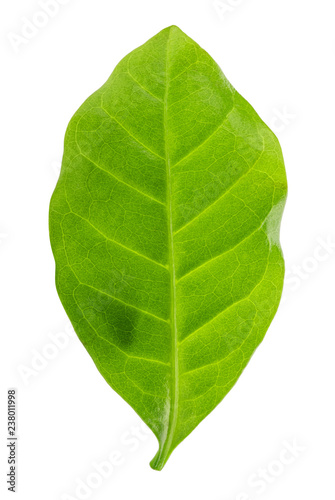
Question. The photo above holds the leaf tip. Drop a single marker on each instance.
(174, 28)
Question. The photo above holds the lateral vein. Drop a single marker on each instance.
(131, 135)
(121, 181)
(205, 140)
(223, 253)
(222, 195)
(120, 244)
(226, 309)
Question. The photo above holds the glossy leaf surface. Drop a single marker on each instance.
(165, 230)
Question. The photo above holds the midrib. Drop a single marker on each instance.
(166, 448)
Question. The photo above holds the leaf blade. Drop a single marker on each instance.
(165, 230)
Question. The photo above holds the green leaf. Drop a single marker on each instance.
(165, 230)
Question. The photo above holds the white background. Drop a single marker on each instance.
(279, 55)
